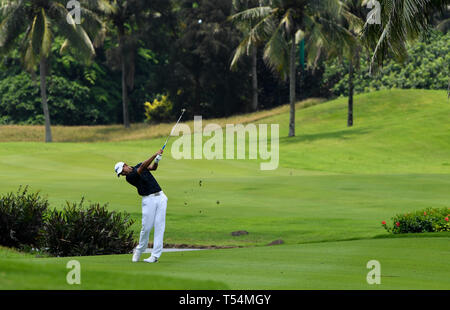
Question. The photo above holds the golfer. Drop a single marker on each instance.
(154, 204)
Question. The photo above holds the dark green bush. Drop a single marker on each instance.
(69, 102)
(428, 220)
(426, 68)
(79, 231)
(21, 218)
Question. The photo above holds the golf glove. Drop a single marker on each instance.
(158, 158)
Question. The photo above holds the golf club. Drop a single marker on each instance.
(182, 112)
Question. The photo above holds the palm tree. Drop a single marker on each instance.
(34, 24)
(248, 45)
(127, 20)
(343, 39)
(353, 23)
(442, 20)
(282, 24)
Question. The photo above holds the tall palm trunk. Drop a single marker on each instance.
(43, 78)
(350, 93)
(448, 89)
(292, 89)
(126, 116)
(255, 78)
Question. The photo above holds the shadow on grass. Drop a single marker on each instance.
(441, 234)
(340, 134)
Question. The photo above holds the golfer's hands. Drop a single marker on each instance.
(158, 156)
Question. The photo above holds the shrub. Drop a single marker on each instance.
(428, 220)
(21, 218)
(79, 231)
(159, 110)
(69, 101)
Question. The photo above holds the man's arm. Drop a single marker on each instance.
(153, 167)
(146, 164)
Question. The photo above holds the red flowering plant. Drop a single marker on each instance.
(428, 220)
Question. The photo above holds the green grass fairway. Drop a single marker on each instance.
(333, 184)
(406, 263)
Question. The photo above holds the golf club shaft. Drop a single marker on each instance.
(173, 129)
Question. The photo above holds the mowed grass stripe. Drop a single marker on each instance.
(406, 263)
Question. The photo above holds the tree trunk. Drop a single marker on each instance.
(448, 89)
(255, 78)
(43, 78)
(126, 115)
(292, 89)
(350, 93)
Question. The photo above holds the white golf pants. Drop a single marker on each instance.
(153, 214)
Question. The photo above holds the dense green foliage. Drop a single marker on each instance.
(68, 101)
(185, 51)
(77, 94)
(428, 220)
(427, 67)
(79, 231)
(201, 78)
(21, 218)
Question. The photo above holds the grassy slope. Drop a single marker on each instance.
(334, 183)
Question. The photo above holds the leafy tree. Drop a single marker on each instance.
(201, 80)
(425, 68)
(128, 21)
(77, 94)
(35, 23)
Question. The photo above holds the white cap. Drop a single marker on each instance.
(118, 168)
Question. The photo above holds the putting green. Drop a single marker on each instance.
(334, 183)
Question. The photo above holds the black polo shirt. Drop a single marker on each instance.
(145, 183)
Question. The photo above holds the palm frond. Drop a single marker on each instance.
(251, 15)
(444, 25)
(29, 57)
(254, 35)
(41, 35)
(276, 53)
(94, 26)
(75, 35)
(242, 49)
(13, 16)
(102, 6)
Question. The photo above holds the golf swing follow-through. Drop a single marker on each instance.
(154, 201)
